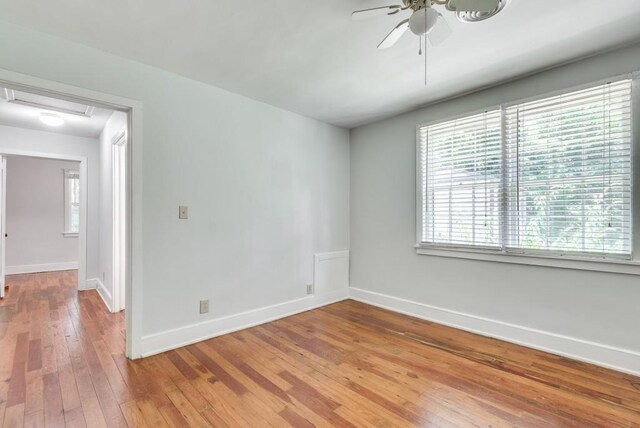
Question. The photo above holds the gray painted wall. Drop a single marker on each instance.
(593, 306)
(266, 188)
(35, 213)
(30, 140)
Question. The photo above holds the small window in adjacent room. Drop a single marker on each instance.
(545, 178)
(71, 203)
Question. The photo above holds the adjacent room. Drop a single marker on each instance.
(42, 206)
(346, 213)
(62, 200)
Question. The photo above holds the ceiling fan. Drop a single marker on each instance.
(428, 22)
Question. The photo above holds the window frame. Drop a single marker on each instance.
(572, 260)
(66, 230)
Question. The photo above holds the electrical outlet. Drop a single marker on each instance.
(204, 306)
(309, 289)
(183, 212)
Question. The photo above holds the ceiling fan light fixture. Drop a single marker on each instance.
(419, 24)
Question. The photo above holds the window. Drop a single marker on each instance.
(71, 202)
(463, 180)
(550, 177)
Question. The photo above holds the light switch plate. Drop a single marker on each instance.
(183, 212)
(204, 306)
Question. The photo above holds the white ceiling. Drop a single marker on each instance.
(28, 116)
(309, 57)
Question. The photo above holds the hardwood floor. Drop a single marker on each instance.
(348, 364)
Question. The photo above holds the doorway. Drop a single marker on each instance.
(120, 222)
(42, 214)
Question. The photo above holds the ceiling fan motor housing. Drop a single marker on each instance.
(481, 15)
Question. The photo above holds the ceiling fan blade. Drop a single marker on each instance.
(439, 32)
(474, 5)
(359, 15)
(394, 35)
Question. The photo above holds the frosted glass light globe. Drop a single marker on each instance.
(51, 119)
(419, 25)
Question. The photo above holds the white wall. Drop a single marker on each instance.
(35, 215)
(21, 139)
(266, 188)
(588, 306)
(116, 124)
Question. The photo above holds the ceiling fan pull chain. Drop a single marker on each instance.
(425, 59)
(425, 50)
(420, 51)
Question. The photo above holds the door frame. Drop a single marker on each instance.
(133, 259)
(119, 219)
(84, 193)
(3, 225)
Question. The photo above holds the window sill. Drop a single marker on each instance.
(629, 267)
(70, 234)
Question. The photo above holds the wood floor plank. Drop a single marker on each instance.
(62, 363)
(91, 409)
(75, 418)
(151, 414)
(14, 416)
(193, 396)
(188, 412)
(133, 414)
(69, 388)
(142, 384)
(17, 385)
(216, 370)
(173, 417)
(34, 419)
(214, 419)
(181, 365)
(34, 393)
(294, 419)
(53, 409)
(226, 406)
(35, 355)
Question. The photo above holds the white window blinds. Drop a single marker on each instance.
(568, 172)
(461, 183)
(551, 176)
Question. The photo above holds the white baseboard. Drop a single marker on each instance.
(176, 338)
(43, 267)
(89, 284)
(623, 360)
(96, 283)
